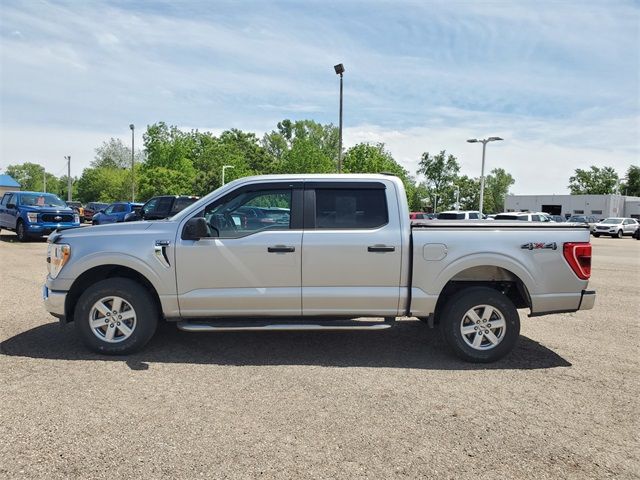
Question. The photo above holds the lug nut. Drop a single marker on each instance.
(112, 325)
(106, 320)
(118, 323)
(120, 318)
(489, 325)
(114, 312)
(475, 328)
(108, 314)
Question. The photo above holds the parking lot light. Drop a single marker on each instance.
(484, 142)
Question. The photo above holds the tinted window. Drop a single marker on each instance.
(5, 199)
(450, 216)
(119, 208)
(250, 212)
(358, 208)
(164, 205)
(182, 203)
(508, 217)
(109, 209)
(473, 216)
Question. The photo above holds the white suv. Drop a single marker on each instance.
(615, 227)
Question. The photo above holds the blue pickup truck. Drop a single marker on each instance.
(34, 214)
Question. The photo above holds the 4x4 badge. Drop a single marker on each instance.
(539, 245)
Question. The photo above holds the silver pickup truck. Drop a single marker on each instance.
(314, 252)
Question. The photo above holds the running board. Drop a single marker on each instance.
(251, 326)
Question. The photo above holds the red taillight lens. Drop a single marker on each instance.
(578, 256)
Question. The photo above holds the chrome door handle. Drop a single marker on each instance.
(380, 248)
(281, 249)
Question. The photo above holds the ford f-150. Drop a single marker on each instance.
(328, 250)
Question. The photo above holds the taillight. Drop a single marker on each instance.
(578, 256)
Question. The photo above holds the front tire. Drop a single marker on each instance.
(620, 234)
(116, 316)
(21, 232)
(596, 235)
(480, 324)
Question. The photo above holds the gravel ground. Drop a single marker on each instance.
(388, 404)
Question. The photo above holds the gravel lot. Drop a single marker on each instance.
(388, 404)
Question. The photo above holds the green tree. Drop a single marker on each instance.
(115, 154)
(441, 172)
(303, 146)
(104, 185)
(631, 186)
(29, 175)
(595, 181)
(469, 189)
(496, 188)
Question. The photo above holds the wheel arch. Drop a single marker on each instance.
(493, 276)
(102, 272)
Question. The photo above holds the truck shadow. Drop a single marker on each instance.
(409, 344)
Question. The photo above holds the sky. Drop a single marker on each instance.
(559, 81)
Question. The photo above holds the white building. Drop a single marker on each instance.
(600, 206)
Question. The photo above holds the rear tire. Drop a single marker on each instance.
(480, 324)
(116, 316)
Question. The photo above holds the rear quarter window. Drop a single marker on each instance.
(351, 209)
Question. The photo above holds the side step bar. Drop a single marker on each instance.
(281, 326)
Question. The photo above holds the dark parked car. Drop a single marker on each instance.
(164, 206)
(114, 213)
(91, 208)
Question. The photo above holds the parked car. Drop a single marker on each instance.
(459, 215)
(557, 218)
(421, 216)
(114, 213)
(615, 227)
(347, 250)
(584, 219)
(157, 208)
(91, 208)
(34, 214)
(78, 208)
(523, 216)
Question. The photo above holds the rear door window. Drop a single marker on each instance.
(351, 208)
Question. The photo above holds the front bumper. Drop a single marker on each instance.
(47, 228)
(54, 302)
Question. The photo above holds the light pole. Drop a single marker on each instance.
(68, 159)
(339, 71)
(133, 175)
(484, 147)
(457, 198)
(224, 168)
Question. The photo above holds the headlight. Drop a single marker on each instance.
(76, 218)
(57, 257)
(33, 217)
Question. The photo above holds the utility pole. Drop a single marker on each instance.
(133, 175)
(484, 147)
(68, 158)
(339, 69)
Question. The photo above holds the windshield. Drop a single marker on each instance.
(612, 221)
(577, 219)
(41, 200)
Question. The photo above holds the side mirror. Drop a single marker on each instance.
(196, 228)
(11, 205)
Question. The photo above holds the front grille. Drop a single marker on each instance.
(56, 217)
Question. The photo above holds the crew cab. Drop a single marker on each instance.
(35, 214)
(341, 247)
